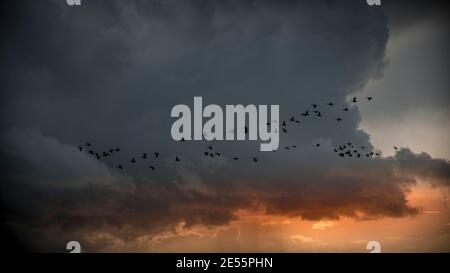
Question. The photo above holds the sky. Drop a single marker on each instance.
(109, 73)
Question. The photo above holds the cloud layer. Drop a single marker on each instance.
(110, 72)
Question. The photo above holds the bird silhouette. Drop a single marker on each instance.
(395, 148)
(349, 149)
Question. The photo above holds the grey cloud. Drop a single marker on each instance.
(110, 72)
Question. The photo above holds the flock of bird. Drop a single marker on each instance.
(345, 150)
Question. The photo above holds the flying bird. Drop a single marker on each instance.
(338, 119)
(395, 148)
(80, 148)
(88, 144)
(120, 167)
(255, 159)
(354, 99)
(236, 158)
(284, 130)
(330, 104)
(152, 167)
(305, 114)
(133, 160)
(177, 159)
(345, 109)
(156, 154)
(144, 156)
(369, 98)
(314, 105)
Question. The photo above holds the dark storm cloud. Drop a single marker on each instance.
(109, 72)
(406, 14)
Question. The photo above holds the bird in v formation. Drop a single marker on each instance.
(346, 150)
